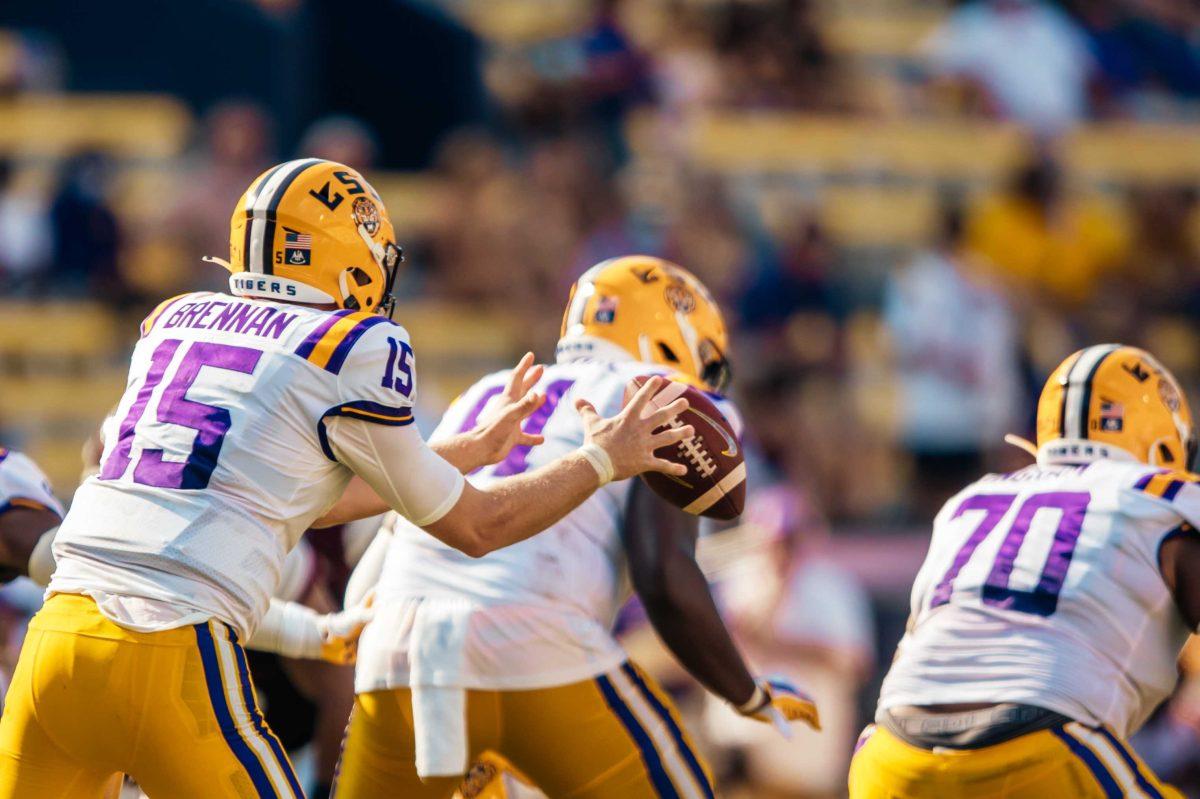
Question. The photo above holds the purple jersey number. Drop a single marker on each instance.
(1043, 599)
(210, 422)
(518, 459)
(399, 360)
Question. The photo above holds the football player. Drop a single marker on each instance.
(28, 511)
(1049, 613)
(514, 652)
(243, 420)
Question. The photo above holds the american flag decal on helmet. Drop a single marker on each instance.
(297, 247)
(1112, 416)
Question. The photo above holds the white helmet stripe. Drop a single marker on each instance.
(249, 209)
(262, 208)
(1077, 395)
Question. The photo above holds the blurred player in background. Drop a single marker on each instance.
(1052, 606)
(28, 510)
(513, 652)
(243, 420)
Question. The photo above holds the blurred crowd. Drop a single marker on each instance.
(876, 383)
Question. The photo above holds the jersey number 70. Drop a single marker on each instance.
(1043, 599)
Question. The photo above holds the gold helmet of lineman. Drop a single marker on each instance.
(650, 310)
(313, 231)
(1115, 401)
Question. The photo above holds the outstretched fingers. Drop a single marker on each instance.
(667, 467)
(643, 396)
(672, 435)
(588, 411)
(523, 378)
(665, 414)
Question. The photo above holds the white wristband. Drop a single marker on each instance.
(601, 462)
(755, 703)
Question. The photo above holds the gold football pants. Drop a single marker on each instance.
(617, 735)
(1071, 760)
(173, 709)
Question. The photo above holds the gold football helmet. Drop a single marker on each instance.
(650, 310)
(1115, 401)
(313, 231)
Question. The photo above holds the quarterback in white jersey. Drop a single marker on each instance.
(514, 652)
(1050, 611)
(243, 420)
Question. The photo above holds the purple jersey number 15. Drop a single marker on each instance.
(210, 422)
(1043, 599)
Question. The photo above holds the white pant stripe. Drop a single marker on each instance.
(1109, 757)
(660, 736)
(241, 716)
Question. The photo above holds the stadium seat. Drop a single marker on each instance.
(834, 146)
(413, 200)
(880, 35)
(35, 332)
(879, 216)
(127, 126)
(60, 398)
(1127, 152)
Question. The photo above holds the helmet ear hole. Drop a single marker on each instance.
(667, 352)
(360, 276)
(1164, 453)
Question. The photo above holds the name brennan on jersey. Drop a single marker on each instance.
(231, 316)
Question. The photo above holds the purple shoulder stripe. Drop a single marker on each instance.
(1146, 478)
(346, 344)
(309, 344)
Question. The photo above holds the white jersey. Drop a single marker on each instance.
(23, 484)
(1042, 587)
(223, 450)
(532, 615)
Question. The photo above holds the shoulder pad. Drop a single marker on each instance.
(1164, 483)
(148, 322)
(331, 341)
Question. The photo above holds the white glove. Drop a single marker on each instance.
(295, 631)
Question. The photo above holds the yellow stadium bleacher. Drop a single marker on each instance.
(823, 145)
(895, 35)
(923, 149)
(133, 126)
(56, 398)
(1128, 152)
(80, 331)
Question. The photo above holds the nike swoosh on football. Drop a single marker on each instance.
(731, 446)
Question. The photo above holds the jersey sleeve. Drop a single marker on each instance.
(369, 428)
(22, 484)
(376, 372)
(1181, 490)
(414, 480)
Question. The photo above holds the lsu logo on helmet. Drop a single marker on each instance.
(313, 231)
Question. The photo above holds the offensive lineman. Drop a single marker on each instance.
(243, 420)
(520, 641)
(1049, 613)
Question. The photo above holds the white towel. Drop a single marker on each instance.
(439, 703)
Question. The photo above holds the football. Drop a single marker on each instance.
(715, 485)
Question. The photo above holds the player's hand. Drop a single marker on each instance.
(340, 631)
(629, 438)
(499, 427)
(779, 703)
